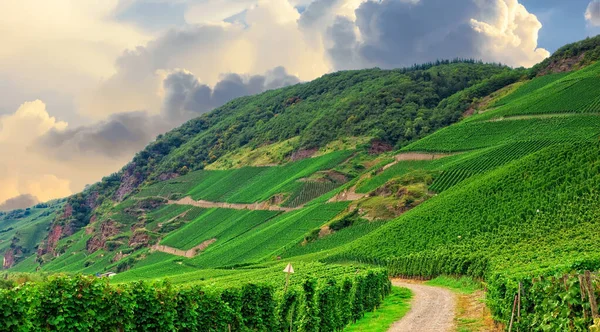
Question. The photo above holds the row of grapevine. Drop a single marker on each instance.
(243, 185)
(307, 191)
(529, 87)
(450, 178)
(91, 304)
(560, 302)
(476, 135)
(484, 161)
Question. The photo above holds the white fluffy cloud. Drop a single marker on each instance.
(59, 49)
(512, 36)
(24, 172)
(592, 14)
(393, 33)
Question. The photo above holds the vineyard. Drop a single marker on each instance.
(89, 303)
(248, 184)
(559, 93)
(485, 160)
(265, 240)
(529, 87)
(220, 224)
(477, 135)
(531, 217)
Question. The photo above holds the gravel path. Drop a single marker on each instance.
(431, 309)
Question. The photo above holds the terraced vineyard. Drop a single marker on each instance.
(264, 241)
(485, 160)
(220, 224)
(529, 87)
(561, 93)
(246, 184)
(477, 135)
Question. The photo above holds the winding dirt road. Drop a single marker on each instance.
(431, 309)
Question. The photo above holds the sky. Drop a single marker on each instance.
(85, 84)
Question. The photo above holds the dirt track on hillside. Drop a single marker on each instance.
(431, 309)
(255, 206)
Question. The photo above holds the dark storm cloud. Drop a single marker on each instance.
(186, 97)
(395, 33)
(19, 202)
(315, 12)
(123, 134)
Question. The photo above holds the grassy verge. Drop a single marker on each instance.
(463, 285)
(472, 315)
(394, 307)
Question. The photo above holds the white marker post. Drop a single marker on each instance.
(289, 270)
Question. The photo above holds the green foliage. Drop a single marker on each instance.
(587, 51)
(268, 238)
(91, 304)
(393, 308)
(220, 224)
(465, 285)
(476, 135)
(529, 87)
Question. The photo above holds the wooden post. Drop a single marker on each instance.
(512, 316)
(591, 295)
(292, 316)
(582, 291)
(519, 304)
(566, 283)
(229, 327)
(288, 270)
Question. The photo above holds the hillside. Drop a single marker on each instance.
(341, 111)
(457, 168)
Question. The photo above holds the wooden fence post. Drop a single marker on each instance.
(512, 316)
(583, 292)
(591, 295)
(519, 303)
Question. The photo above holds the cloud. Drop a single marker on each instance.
(268, 37)
(393, 34)
(592, 14)
(57, 50)
(22, 171)
(117, 138)
(186, 97)
(19, 202)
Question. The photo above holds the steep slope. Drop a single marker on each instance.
(372, 110)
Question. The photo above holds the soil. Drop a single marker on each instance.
(256, 206)
(184, 253)
(431, 309)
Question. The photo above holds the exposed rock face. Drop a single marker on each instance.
(92, 200)
(9, 259)
(303, 154)
(378, 147)
(107, 229)
(562, 65)
(68, 211)
(167, 176)
(129, 181)
(55, 234)
(139, 239)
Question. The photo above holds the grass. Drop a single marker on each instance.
(464, 285)
(393, 308)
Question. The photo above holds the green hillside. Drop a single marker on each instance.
(452, 168)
